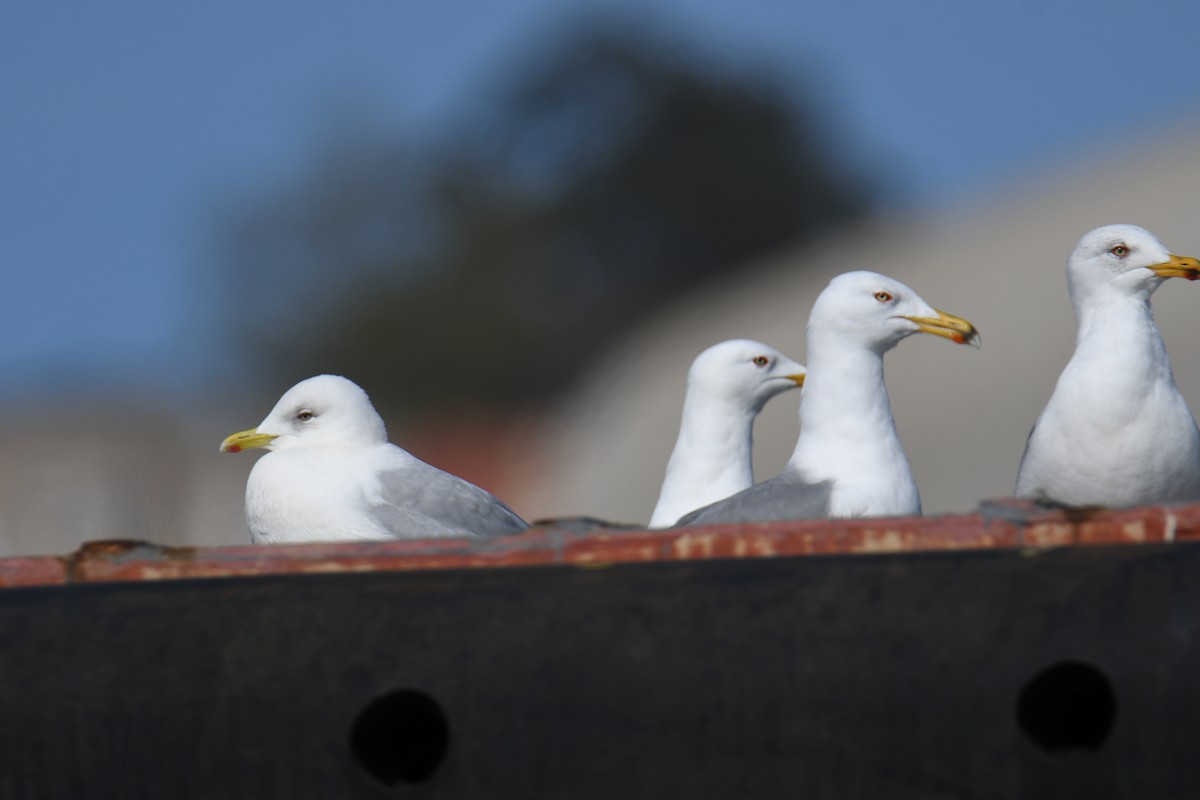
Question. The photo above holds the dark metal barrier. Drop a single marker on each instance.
(1010, 673)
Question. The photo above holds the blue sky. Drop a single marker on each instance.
(132, 131)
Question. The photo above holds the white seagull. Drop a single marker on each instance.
(1116, 431)
(727, 385)
(332, 475)
(848, 461)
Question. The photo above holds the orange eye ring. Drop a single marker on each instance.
(883, 297)
(1120, 251)
(761, 361)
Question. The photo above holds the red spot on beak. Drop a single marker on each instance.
(233, 448)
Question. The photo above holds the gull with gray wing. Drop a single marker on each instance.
(332, 475)
(1116, 431)
(727, 385)
(848, 460)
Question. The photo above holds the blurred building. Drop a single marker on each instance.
(72, 472)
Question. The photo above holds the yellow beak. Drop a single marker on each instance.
(246, 440)
(956, 329)
(796, 379)
(1178, 267)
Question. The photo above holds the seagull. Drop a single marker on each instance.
(727, 385)
(1116, 431)
(332, 475)
(848, 461)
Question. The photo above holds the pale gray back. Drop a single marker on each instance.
(424, 501)
(786, 496)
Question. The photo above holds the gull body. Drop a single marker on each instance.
(332, 475)
(727, 386)
(1116, 431)
(848, 460)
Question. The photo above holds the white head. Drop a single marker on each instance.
(324, 411)
(876, 312)
(744, 372)
(1124, 259)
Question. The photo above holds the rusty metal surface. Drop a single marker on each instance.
(1001, 524)
(875, 675)
(1014, 653)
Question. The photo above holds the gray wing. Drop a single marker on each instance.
(1025, 453)
(786, 496)
(423, 501)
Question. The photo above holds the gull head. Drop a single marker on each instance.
(1124, 259)
(745, 372)
(325, 411)
(876, 312)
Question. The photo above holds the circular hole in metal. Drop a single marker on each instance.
(1069, 706)
(400, 737)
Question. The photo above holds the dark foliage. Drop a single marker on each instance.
(615, 175)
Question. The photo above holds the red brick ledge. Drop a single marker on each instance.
(1000, 524)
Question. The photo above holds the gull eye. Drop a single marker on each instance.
(761, 361)
(1120, 251)
(305, 415)
(883, 297)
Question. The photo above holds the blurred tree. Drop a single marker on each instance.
(614, 175)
